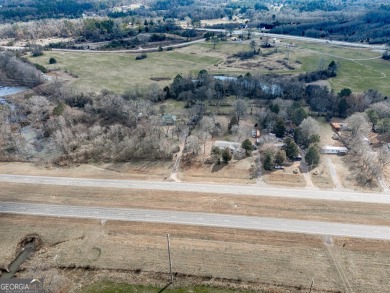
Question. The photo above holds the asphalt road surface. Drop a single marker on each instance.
(199, 219)
(236, 190)
(298, 38)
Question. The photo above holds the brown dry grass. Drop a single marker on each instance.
(284, 179)
(320, 176)
(237, 171)
(345, 178)
(255, 260)
(144, 170)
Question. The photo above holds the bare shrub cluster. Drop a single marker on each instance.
(71, 127)
(15, 71)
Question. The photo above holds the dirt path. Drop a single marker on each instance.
(339, 268)
(176, 166)
(333, 173)
(305, 172)
(382, 183)
(133, 51)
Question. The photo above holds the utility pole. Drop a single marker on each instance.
(170, 266)
(169, 258)
(311, 285)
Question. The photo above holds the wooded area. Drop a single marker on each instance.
(336, 20)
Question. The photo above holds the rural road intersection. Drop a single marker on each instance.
(200, 219)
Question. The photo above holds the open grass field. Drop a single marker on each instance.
(360, 69)
(120, 71)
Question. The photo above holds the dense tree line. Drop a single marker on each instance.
(318, 19)
(13, 11)
(258, 87)
(372, 27)
(353, 22)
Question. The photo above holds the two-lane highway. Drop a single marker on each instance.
(199, 219)
(235, 190)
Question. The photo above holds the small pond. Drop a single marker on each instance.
(9, 90)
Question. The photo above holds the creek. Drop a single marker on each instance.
(26, 252)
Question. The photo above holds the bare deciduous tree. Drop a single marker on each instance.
(309, 127)
(192, 144)
(358, 124)
(240, 109)
(207, 124)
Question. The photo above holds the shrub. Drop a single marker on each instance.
(243, 55)
(247, 146)
(140, 57)
(59, 109)
(52, 60)
(41, 68)
(36, 53)
(268, 161)
(226, 155)
(280, 157)
(157, 38)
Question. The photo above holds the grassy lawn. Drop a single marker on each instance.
(120, 71)
(110, 287)
(359, 73)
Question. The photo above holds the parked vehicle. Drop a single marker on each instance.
(298, 158)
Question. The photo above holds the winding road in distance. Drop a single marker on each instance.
(236, 190)
(199, 219)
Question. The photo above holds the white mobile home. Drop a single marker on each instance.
(227, 144)
(329, 149)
